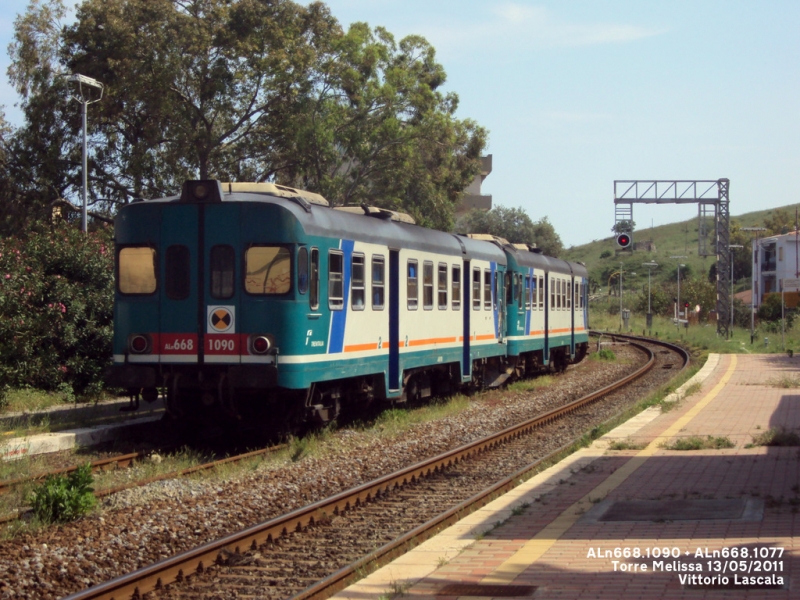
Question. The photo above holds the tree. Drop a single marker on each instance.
(241, 90)
(626, 226)
(779, 222)
(514, 225)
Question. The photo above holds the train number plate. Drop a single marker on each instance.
(178, 343)
(220, 343)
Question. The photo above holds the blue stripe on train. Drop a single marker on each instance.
(339, 317)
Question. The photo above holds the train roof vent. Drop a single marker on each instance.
(378, 213)
(530, 247)
(486, 237)
(272, 189)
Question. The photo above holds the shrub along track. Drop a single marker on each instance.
(318, 549)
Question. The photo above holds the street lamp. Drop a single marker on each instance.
(753, 244)
(678, 307)
(649, 265)
(85, 84)
(731, 248)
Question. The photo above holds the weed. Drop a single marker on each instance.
(399, 588)
(60, 499)
(518, 510)
(777, 436)
(696, 442)
(692, 389)
(604, 354)
(785, 382)
(442, 561)
(626, 445)
(527, 385)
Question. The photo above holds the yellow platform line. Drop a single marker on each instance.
(535, 548)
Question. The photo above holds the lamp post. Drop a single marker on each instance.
(678, 300)
(649, 265)
(84, 84)
(620, 297)
(731, 248)
(753, 244)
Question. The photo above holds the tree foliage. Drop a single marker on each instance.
(779, 222)
(514, 225)
(238, 90)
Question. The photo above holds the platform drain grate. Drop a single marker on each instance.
(487, 589)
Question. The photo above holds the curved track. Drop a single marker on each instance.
(227, 552)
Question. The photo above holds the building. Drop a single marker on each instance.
(775, 258)
(472, 195)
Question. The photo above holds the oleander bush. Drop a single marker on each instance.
(56, 309)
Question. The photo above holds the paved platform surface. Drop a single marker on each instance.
(644, 523)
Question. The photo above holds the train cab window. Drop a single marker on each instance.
(527, 292)
(357, 282)
(335, 280)
(177, 271)
(541, 293)
(223, 265)
(441, 286)
(137, 270)
(476, 289)
(313, 296)
(302, 270)
(412, 285)
(518, 290)
(427, 285)
(378, 282)
(487, 289)
(268, 270)
(455, 287)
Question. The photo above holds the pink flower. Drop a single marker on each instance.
(63, 368)
(8, 276)
(49, 306)
(63, 308)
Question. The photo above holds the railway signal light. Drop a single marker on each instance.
(624, 240)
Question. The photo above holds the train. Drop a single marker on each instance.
(257, 303)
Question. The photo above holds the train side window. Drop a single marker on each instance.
(509, 288)
(302, 270)
(569, 294)
(137, 270)
(412, 284)
(442, 286)
(541, 293)
(177, 271)
(335, 280)
(476, 289)
(313, 296)
(552, 293)
(378, 282)
(563, 294)
(427, 285)
(268, 270)
(527, 292)
(487, 289)
(456, 287)
(518, 290)
(223, 265)
(357, 282)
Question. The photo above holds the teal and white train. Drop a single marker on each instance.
(257, 301)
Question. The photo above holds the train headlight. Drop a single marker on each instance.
(260, 344)
(139, 344)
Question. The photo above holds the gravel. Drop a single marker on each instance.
(140, 526)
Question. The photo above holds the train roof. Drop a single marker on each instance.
(317, 218)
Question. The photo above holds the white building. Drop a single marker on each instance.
(775, 258)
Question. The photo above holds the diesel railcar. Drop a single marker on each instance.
(258, 301)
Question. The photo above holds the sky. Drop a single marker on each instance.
(578, 94)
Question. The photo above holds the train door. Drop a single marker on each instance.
(179, 327)
(466, 307)
(500, 303)
(219, 308)
(548, 306)
(394, 321)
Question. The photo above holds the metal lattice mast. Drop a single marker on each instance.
(723, 258)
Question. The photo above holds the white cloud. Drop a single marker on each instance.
(527, 26)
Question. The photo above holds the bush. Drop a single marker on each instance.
(60, 499)
(56, 309)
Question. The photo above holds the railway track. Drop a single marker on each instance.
(314, 551)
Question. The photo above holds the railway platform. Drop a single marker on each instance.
(632, 517)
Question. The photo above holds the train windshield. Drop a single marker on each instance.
(137, 270)
(268, 270)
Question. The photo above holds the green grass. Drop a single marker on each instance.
(626, 445)
(697, 442)
(604, 354)
(785, 382)
(526, 385)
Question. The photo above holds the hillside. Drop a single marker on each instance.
(675, 239)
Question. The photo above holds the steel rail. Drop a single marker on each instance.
(183, 565)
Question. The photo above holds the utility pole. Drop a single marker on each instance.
(754, 245)
(649, 265)
(731, 248)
